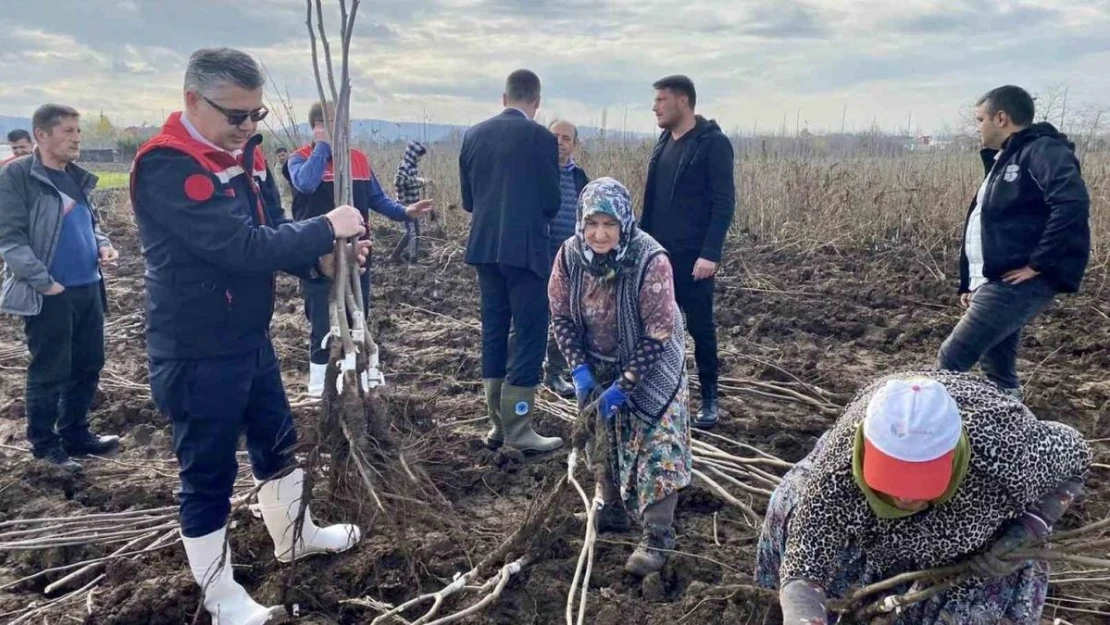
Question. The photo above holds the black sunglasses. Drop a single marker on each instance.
(236, 118)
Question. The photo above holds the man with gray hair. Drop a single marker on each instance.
(572, 179)
(213, 235)
(509, 174)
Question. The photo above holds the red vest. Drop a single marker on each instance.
(360, 165)
(219, 163)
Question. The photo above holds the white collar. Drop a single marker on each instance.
(194, 133)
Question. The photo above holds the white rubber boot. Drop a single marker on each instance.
(371, 378)
(280, 503)
(224, 598)
(316, 379)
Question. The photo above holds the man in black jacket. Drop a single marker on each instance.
(1027, 236)
(509, 174)
(689, 200)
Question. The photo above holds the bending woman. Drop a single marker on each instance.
(924, 469)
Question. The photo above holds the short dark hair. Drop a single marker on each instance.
(316, 114)
(680, 85)
(18, 135)
(523, 85)
(1015, 101)
(280, 150)
(48, 116)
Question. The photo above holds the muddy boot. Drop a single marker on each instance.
(658, 538)
(611, 517)
(280, 503)
(227, 601)
(611, 513)
(517, 406)
(653, 551)
(496, 436)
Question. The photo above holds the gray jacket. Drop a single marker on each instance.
(30, 224)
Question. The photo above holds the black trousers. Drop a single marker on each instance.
(515, 299)
(695, 298)
(66, 341)
(316, 295)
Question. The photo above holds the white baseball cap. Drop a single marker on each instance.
(910, 436)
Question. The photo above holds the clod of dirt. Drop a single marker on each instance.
(49, 478)
(162, 600)
(142, 435)
(652, 588)
(509, 460)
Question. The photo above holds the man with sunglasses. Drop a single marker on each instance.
(1027, 236)
(310, 171)
(213, 236)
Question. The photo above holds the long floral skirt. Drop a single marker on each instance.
(649, 461)
(1014, 600)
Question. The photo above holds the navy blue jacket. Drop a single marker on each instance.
(704, 194)
(1035, 210)
(213, 236)
(509, 174)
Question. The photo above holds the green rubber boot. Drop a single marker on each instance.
(496, 437)
(517, 405)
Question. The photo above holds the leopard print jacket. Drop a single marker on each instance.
(1015, 460)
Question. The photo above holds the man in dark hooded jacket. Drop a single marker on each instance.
(689, 200)
(1027, 236)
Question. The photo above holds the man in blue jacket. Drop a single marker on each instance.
(572, 179)
(310, 170)
(509, 174)
(1027, 236)
(689, 200)
(213, 235)
(53, 250)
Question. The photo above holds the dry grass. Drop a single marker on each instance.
(873, 202)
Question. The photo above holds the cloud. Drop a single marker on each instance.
(973, 17)
(445, 60)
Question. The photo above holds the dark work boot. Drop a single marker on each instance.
(57, 456)
(559, 384)
(611, 517)
(91, 445)
(709, 414)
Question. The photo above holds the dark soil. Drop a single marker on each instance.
(832, 317)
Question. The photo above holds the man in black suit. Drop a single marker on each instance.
(509, 174)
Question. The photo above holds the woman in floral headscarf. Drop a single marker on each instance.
(616, 321)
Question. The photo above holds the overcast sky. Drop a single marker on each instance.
(755, 62)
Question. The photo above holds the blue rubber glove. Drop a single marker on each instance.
(584, 382)
(611, 401)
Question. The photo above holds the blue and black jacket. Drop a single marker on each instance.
(213, 236)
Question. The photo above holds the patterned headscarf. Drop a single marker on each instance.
(606, 196)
